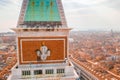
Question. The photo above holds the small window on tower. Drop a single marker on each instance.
(60, 71)
(37, 72)
(25, 73)
(49, 71)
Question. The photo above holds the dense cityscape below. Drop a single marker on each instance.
(98, 50)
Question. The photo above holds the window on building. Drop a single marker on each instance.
(60, 71)
(24, 73)
(49, 71)
(37, 72)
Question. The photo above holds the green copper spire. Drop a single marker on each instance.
(42, 13)
(42, 10)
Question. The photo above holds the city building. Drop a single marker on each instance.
(42, 43)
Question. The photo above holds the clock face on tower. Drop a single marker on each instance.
(42, 50)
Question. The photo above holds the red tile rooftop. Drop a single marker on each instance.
(100, 76)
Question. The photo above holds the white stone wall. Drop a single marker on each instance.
(42, 33)
(69, 72)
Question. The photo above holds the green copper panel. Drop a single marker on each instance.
(42, 10)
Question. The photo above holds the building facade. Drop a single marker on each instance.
(42, 43)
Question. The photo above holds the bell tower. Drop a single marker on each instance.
(42, 29)
(42, 42)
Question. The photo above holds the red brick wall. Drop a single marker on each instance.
(28, 48)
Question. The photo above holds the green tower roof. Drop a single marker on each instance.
(42, 11)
